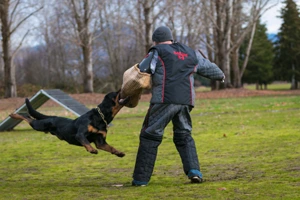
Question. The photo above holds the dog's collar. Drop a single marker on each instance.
(102, 116)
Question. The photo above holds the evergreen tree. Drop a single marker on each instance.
(260, 69)
(287, 59)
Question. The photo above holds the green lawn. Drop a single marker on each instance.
(248, 149)
(273, 86)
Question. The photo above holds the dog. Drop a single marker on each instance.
(88, 128)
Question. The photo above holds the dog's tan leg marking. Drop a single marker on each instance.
(102, 133)
(20, 117)
(90, 149)
(108, 148)
(94, 130)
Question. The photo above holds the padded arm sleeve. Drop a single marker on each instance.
(208, 69)
(148, 64)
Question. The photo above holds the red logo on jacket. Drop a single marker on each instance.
(180, 55)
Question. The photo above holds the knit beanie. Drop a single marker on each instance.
(162, 34)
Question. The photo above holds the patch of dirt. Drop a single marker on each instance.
(95, 98)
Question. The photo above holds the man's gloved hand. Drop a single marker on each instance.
(223, 79)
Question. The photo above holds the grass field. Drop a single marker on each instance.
(273, 86)
(248, 149)
(283, 86)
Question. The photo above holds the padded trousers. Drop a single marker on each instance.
(157, 118)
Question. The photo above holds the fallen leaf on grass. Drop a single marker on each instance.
(118, 185)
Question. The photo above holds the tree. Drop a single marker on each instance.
(82, 13)
(260, 66)
(185, 19)
(143, 21)
(116, 45)
(239, 34)
(1, 69)
(287, 59)
(230, 21)
(9, 25)
(58, 58)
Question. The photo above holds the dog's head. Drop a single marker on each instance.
(113, 102)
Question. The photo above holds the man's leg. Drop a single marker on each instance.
(158, 116)
(184, 142)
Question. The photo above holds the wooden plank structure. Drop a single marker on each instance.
(39, 99)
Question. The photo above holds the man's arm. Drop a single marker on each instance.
(148, 64)
(208, 69)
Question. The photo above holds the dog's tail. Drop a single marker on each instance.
(32, 112)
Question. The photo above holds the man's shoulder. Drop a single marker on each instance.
(181, 44)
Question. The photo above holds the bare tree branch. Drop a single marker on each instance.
(248, 50)
(20, 44)
(23, 20)
(13, 12)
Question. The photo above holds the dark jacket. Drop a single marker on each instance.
(172, 67)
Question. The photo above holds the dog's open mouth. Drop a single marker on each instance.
(124, 101)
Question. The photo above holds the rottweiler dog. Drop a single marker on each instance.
(90, 127)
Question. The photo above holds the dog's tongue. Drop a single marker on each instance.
(123, 101)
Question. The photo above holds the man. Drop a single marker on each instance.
(171, 65)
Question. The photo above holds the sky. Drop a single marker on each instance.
(271, 17)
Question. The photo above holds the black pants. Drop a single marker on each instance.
(157, 118)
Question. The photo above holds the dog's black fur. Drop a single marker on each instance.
(90, 127)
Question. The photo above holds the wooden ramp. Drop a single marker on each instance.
(39, 99)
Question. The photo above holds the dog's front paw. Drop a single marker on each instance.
(120, 154)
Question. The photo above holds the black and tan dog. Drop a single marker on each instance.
(90, 127)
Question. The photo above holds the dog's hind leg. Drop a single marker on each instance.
(37, 125)
(20, 117)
